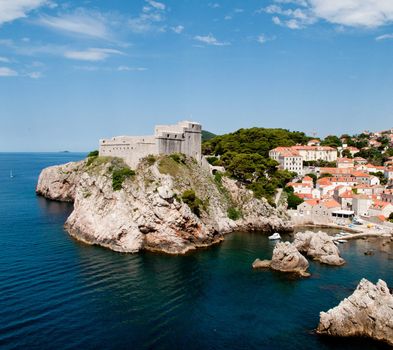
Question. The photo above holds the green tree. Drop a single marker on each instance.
(332, 141)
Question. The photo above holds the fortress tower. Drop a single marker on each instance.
(184, 137)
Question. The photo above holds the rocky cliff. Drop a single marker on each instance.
(367, 312)
(170, 204)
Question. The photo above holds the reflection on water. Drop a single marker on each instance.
(59, 293)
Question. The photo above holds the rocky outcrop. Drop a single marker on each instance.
(148, 212)
(368, 312)
(286, 258)
(319, 246)
(59, 182)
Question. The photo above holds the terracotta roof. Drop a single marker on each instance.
(314, 148)
(303, 195)
(324, 182)
(331, 204)
(329, 170)
(347, 194)
(307, 178)
(379, 205)
(312, 202)
(357, 173)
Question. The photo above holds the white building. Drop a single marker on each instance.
(288, 158)
(361, 203)
(310, 153)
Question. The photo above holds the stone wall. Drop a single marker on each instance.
(184, 137)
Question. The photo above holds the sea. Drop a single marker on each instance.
(58, 293)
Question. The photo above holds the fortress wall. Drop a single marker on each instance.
(169, 143)
(131, 149)
(184, 137)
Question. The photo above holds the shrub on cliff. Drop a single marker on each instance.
(93, 154)
(118, 177)
(189, 197)
(233, 214)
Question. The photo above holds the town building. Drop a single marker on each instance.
(345, 163)
(292, 158)
(184, 137)
(288, 159)
(380, 208)
(361, 203)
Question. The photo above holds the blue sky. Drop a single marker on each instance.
(72, 72)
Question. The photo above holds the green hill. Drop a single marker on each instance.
(245, 156)
(207, 135)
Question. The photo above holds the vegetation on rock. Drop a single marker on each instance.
(118, 177)
(245, 156)
(189, 197)
(293, 200)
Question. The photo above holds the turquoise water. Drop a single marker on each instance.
(56, 293)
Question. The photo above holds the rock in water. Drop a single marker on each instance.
(286, 258)
(368, 312)
(319, 246)
(145, 210)
(261, 264)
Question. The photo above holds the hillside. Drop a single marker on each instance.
(245, 156)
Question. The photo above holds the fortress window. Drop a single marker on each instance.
(167, 135)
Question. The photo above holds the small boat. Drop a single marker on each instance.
(342, 240)
(11, 174)
(275, 236)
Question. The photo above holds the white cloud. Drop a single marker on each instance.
(131, 69)
(263, 39)
(210, 40)
(157, 5)
(4, 59)
(35, 75)
(92, 54)
(351, 13)
(228, 17)
(11, 10)
(214, 5)
(149, 19)
(384, 37)
(296, 18)
(178, 29)
(7, 72)
(356, 13)
(92, 24)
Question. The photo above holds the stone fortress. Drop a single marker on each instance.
(184, 137)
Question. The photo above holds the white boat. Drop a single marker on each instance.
(275, 236)
(11, 175)
(342, 240)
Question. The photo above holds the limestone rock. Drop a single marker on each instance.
(286, 258)
(319, 246)
(60, 182)
(146, 213)
(368, 312)
(261, 264)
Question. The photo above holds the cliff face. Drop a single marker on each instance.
(367, 312)
(148, 212)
